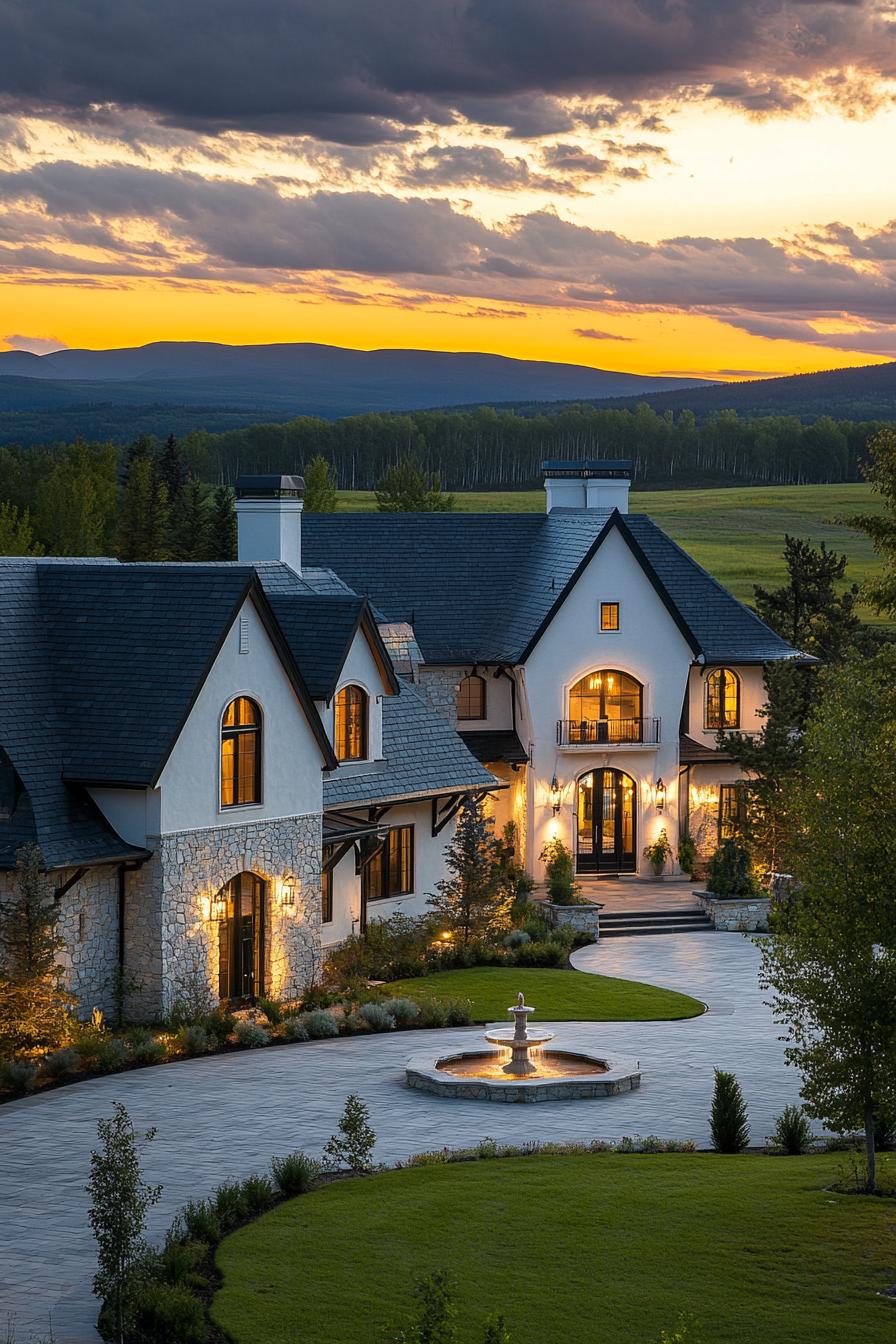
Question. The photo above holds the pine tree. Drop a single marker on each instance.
(320, 487)
(35, 1008)
(404, 488)
(173, 471)
(16, 533)
(352, 1146)
(189, 533)
(881, 527)
(728, 1123)
(808, 611)
(475, 900)
(143, 518)
(221, 526)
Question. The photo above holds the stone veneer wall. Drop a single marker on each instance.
(746, 914)
(193, 865)
(439, 686)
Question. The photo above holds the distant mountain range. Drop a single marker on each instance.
(324, 380)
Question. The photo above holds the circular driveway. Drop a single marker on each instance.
(228, 1115)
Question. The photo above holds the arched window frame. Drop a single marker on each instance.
(598, 726)
(244, 788)
(351, 732)
(472, 694)
(722, 684)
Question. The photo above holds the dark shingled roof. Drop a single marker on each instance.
(423, 755)
(319, 631)
(495, 745)
(482, 587)
(692, 752)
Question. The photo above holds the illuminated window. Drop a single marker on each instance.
(609, 615)
(732, 810)
(471, 698)
(605, 706)
(241, 753)
(351, 724)
(326, 896)
(722, 708)
(391, 871)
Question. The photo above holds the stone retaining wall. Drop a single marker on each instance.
(582, 918)
(739, 914)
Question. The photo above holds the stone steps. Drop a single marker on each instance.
(685, 919)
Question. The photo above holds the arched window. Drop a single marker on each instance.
(471, 698)
(606, 706)
(241, 753)
(722, 708)
(351, 724)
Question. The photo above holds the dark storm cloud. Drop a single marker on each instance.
(357, 72)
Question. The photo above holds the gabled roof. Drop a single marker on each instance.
(483, 587)
(495, 744)
(320, 631)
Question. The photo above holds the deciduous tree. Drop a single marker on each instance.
(320, 486)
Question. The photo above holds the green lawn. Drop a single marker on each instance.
(597, 1249)
(737, 534)
(557, 996)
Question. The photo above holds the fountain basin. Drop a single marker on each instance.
(562, 1075)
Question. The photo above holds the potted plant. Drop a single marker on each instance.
(559, 871)
(657, 852)
(687, 853)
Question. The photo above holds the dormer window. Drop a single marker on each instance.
(471, 698)
(241, 753)
(722, 706)
(351, 724)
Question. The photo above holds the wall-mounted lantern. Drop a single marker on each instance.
(217, 906)
(289, 889)
(555, 795)
(659, 793)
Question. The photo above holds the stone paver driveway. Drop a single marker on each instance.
(228, 1115)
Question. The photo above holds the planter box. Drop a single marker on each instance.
(735, 914)
(582, 918)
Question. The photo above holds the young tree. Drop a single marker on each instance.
(173, 471)
(435, 1315)
(352, 1146)
(404, 488)
(320, 487)
(119, 1202)
(189, 535)
(830, 962)
(808, 610)
(16, 532)
(881, 527)
(35, 1008)
(221, 528)
(728, 1122)
(475, 900)
(143, 517)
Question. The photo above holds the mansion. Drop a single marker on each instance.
(229, 767)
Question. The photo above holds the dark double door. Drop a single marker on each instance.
(241, 940)
(605, 822)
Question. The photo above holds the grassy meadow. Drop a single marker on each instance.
(737, 534)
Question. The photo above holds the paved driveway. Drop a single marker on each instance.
(228, 1115)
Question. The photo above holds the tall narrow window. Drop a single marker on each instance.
(391, 871)
(241, 753)
(471, 698)
(326, 895)
(722, 708)
(609, 615)
(351, 724)
(732, 810)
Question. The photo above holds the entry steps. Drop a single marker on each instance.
(640, 922)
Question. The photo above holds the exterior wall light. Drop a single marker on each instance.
(660, 795)
(555, 795)
(289, 888)
(217, 906)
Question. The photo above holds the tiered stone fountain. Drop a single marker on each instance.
(520, 1070)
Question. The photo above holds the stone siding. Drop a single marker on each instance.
(747, 914)
(439, 686)
(581, 918)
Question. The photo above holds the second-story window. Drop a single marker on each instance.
(241, 753)
(605, 706)
(609, 615)
(722, 708)
(471, 698)
(351, 724)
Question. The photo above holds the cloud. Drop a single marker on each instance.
(592, 334)
(34, 345)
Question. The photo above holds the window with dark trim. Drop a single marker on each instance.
(326, 896)
(351, 724)
(471, 698)
(722, 704)
(609, 615)
(391, 871)
(732, 810)
(241, 753)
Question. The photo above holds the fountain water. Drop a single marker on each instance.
(521, 1041)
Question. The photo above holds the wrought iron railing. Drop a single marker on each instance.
(607, 732)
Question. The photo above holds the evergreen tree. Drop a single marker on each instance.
(34, 1006)
(75, 500)
(320, 487)
(16, 533)
(728, 1122)
(808, 611)
(173, 471)
(143, 518)
(352, 1146)
(221, 527)
(404, 488)
(189, 533)
(880, 470)
(475, 900)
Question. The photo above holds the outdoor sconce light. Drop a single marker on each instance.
(555, 795)
(660, 795)
(289, 886)
(217, 907)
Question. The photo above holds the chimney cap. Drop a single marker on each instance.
(270, 487)
(604, 468)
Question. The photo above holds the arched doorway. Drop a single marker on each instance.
(605, 822)
(241, 939)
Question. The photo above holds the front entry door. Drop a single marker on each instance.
(241, 940)
(605, 822)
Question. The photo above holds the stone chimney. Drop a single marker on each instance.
(600, 484)
(269, 519)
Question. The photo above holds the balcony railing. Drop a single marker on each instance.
(607, 732)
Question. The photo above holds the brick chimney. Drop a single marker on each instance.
(269, 519)
(600, 484)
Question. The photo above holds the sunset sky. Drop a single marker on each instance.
(662, 186)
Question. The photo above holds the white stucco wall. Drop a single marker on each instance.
(133, 813)
(752, 700)
(360, 669)
(291, 758)
(498, 702)
(647, 646)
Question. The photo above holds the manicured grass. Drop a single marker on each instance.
(599, 1249)
(737, 534)
(557, 996)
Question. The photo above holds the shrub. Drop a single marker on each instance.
(728, 1124)
(180, 1260)
(18, 1075)
(219, 1023)
(294, 1174)
(355, 1025)
(145, 1049)
(793, 1134)
(199, 1218)
(391, 949)
(272, 1011)
(258, 1194)
(62, 1063)
(458, 1012)
(251, 1034)
(433, 1013)
(560, 873)
(730, 872)
(294, 1029)
(658, 851)
(112, 1055)
(404, 1011)
(687, 853)
(168, 1313)
(377, 1017)
(230, 1204)
(884, 1133)
(352, 1145)
(548, 953)
(194, 1040)
(517, 938)
(320, 1024)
